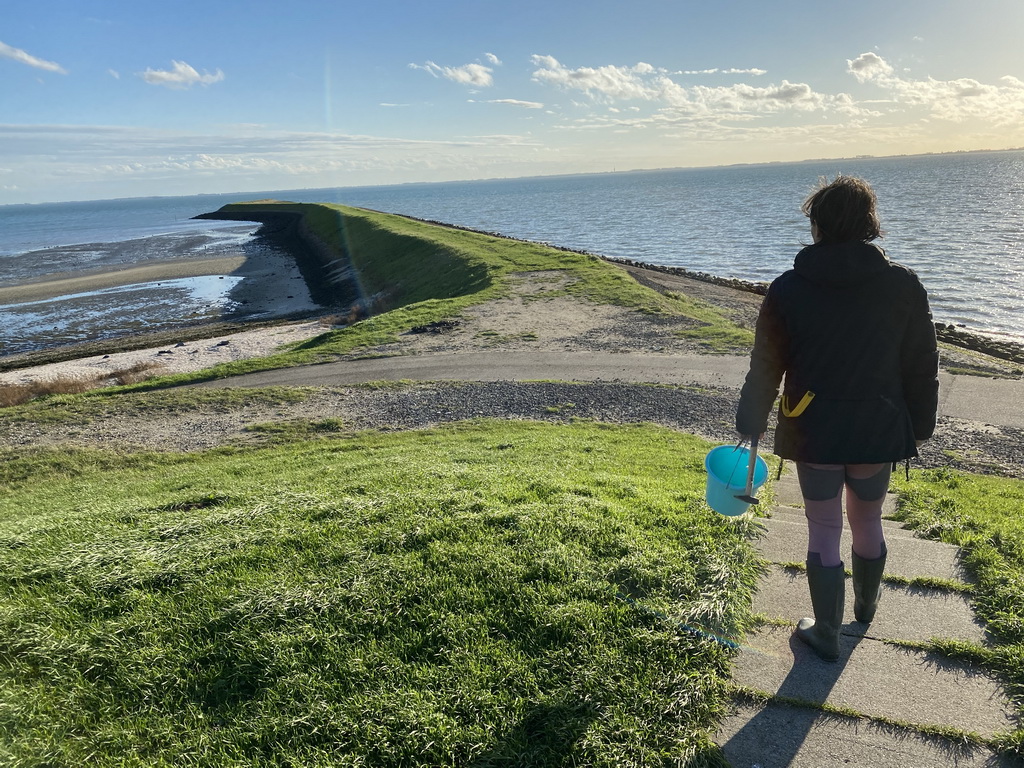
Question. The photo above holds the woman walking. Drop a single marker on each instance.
(853, 335)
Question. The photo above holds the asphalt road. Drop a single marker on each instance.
(999, 402)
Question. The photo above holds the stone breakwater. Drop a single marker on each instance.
(1004, 350)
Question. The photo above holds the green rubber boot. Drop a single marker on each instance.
(828, 599)
(867, 585)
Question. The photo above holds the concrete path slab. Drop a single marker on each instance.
(786, 542)
(872, 677)
(904, 613)
(781, 736)
(787, 493)
(796, 514)
(877, 680)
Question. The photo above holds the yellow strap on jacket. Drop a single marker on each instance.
(800, 407)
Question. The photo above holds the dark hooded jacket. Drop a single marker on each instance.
(854, 329)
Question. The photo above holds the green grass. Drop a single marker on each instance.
(417, 273)
(81, 410)
(983, 516)
(716, 333)
(439, 597)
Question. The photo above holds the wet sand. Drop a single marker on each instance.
(69, 283)
(174, 287)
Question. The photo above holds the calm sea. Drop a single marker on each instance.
(957, 219)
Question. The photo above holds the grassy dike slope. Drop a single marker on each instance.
(495, 593)
(489, 593)
(416, 273)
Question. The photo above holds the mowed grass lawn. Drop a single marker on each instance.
(493, 593)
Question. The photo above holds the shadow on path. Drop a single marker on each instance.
(809, 681)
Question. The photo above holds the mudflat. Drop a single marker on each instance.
(69, 283)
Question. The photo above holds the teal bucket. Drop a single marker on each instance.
(727, 467)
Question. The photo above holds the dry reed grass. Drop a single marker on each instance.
(17, 394)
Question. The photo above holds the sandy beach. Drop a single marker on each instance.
(177, 286)
(69, 283)
(176, 357)
(272, 287)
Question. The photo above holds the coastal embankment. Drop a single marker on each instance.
(359, 261)
(323, 260)
(334, 264)
(532, 304)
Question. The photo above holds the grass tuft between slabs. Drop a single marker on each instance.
(981, 514)
(441, 597)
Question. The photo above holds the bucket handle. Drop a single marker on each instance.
(739, 458)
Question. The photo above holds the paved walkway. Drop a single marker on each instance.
(883, 682)
(989, 401)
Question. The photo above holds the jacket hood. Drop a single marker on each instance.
(841, 265)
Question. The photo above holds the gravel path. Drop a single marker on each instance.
(153, 421)
(145, 422)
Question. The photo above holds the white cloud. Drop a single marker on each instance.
(745, 98)
(16, 54)
(609, 81)
(956, 100)
(180, 76)
(492, 59)
(468, 74)
(953, 100)
(869, 66)
(716, 71)
(643, 82)
(517, 103)
(114, 74)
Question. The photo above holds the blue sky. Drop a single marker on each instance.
(120, 99)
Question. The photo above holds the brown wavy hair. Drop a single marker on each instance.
(844, 210)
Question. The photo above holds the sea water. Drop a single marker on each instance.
(956, 219)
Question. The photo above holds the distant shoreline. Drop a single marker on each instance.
(247, 194)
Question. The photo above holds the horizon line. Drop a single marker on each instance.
(753, 164)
